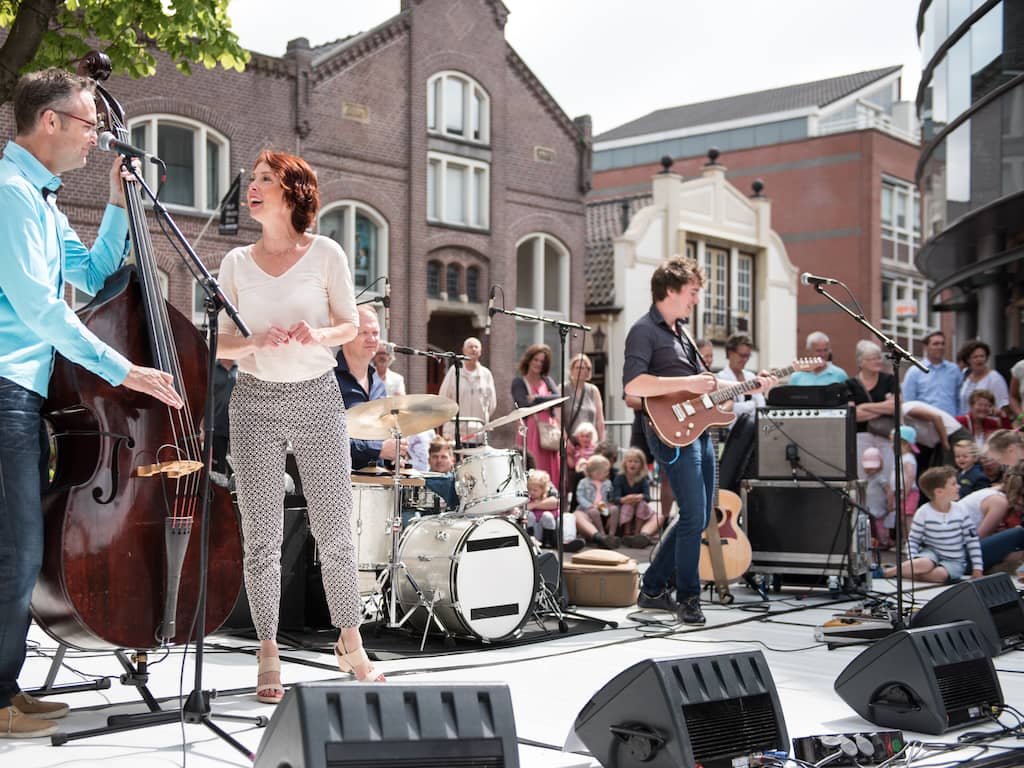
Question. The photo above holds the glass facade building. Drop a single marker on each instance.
(971, 171)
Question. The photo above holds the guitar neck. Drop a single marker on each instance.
(729, 393)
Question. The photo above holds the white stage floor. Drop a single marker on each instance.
(550, 681)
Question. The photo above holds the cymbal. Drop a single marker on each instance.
(522, 413)
(410, 414)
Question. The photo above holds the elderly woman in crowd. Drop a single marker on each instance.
(978, 375)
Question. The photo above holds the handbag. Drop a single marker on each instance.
(549, 434)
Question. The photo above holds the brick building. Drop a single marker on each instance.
(836, 158)
(443, 163)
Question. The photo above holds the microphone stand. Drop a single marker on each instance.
(563, 327)
(196, 708)
(897, 354)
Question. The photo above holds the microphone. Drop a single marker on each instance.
(793, 457)
(387, 306)
(108, 143)
(490, 310)
(808, 279)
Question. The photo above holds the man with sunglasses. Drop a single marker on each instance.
(55, 118)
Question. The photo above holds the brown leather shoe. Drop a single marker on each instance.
(16, 725)
(41, 710)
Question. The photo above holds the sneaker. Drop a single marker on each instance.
(573, 546)
(661, 602)
(43, 710)
(606, 541)
(16, 725)
(637, 541)
(689, 611)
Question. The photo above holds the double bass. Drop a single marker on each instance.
(122, 518)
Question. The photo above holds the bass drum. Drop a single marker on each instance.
(480, 572)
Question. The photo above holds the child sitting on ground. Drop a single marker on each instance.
(942, 539)
(597, 517)
(631, 490)
(876, 496)
(970, 477)
(541, 512)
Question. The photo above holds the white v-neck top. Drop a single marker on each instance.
(318, 288)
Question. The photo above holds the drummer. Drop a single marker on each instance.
(360, 383)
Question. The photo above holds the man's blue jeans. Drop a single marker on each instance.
(690, 473)
(24, 453)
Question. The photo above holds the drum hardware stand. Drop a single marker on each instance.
(897, 354)
(196, 709)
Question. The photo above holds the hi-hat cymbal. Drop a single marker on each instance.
(377, 419)
(522, 413)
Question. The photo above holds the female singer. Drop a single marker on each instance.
(294, 290)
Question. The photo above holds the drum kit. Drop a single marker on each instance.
(469, 571)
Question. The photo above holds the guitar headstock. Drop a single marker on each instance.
(807, 363)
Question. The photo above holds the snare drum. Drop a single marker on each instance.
(372, 507)
(481, 573)
(491, 482)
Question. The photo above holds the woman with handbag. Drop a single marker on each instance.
(532, 386)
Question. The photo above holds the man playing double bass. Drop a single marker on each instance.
(661, 359)
(55, 119)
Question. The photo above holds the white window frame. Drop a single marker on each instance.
(200, 134)
(473, 121)
(349, 236)
(477, 210)
(537, 271)
(893, 192)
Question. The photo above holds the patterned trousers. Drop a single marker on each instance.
(264, 417)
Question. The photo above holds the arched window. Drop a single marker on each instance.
(433, 280)
(363, 233)
(473, 284)
(451, 282)
(458, 106)
(542, 286)
(196, 156)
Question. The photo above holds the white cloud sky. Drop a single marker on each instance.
(618, 60)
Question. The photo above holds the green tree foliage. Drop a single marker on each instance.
(44, 33)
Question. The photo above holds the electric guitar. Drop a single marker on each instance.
(681, 417)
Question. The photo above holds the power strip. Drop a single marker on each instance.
(854, 748)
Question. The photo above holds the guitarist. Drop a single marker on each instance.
(660, 359)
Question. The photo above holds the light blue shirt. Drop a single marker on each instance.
(939, 388)
(40, 251)
(832, 374)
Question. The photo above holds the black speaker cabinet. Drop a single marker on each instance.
(824, 440)
(805, 528)
(991, 602)
(929, 680)
(372, 725)
(295, 555)
(665, 713)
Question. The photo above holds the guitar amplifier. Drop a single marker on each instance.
(822, 440)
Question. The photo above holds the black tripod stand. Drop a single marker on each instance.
(897, 355)
(563, 327)
(196, 709)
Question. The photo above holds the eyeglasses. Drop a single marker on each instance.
(93, 127)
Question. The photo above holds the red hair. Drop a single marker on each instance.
(299, 184)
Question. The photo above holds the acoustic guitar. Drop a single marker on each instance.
(681, 417)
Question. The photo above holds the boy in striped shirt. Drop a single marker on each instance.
(943, 541)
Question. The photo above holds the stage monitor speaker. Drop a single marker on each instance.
(373, 725)
(930, 680)
(991, 602)
(664, 713)
(824, 442)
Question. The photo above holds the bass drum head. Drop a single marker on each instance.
(482, 571)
